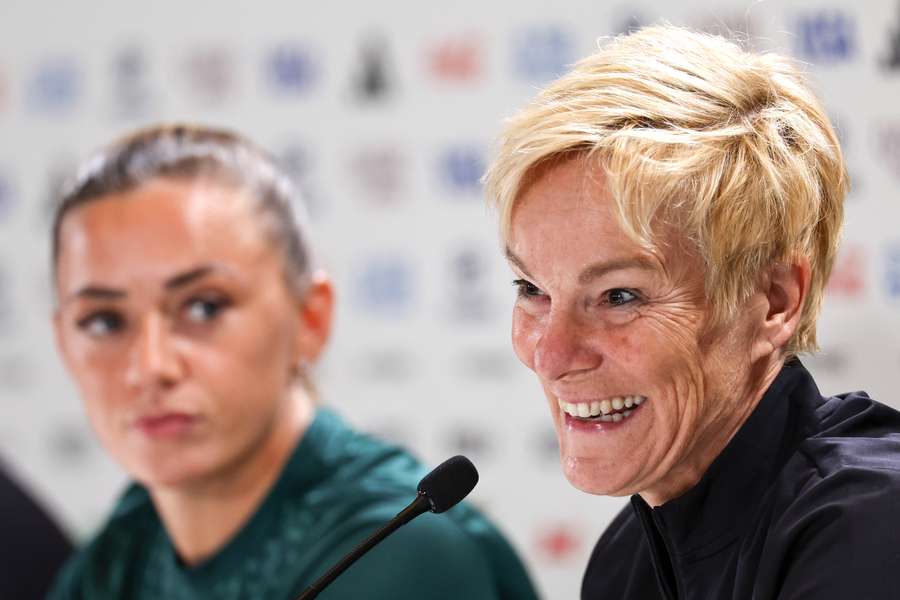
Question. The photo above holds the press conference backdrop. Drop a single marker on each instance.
(385, 113)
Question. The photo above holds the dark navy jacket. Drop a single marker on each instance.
(804, 502)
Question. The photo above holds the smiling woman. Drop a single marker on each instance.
(671, 211)
(189, 314)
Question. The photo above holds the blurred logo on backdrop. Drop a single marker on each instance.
(210, 74)
(629, 22)
(559, 542)
(892, 56)
(457, 59)
(290, 69)
(297, 161)
(468, 439)
(542, 53)
(826, 36)
(7, 196)
(888, 142)
(461, 167)
(373, 79)
(892, 270)
(384, 286)
(55, 86)
(131, 89)
(378, 172)
(467, 296)
(848, 277)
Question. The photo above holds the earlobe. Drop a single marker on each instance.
(785, 289)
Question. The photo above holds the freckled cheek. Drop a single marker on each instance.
(525, 335)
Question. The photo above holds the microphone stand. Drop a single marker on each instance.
(418, 506)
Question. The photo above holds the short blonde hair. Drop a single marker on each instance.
(730, 146)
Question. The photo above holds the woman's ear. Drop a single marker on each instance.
(315, 318)
(783, 293)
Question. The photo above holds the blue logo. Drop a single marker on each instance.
(290, 69)
(542, 53)
(384, 286)
(55, 86)
(462, 167)
(826, 37)
(892, 270)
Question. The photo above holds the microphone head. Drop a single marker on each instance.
(448, 483)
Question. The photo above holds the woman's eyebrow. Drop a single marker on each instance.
(182, 279)
(595, 270)
(599, 269)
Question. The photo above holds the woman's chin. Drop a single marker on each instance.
(596, 477)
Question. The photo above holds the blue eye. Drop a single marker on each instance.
(201, 310)
(101, 323)
(526, 289)
(619, 296)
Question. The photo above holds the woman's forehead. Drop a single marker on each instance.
(158, 225)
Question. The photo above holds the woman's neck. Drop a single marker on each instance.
(201, 517)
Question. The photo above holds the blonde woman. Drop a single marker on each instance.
(671, 210)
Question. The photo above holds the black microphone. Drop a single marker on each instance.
(447, 484)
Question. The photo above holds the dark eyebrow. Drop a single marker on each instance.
(517, 262)
(596, 270)
(187, 277)
(99, 292)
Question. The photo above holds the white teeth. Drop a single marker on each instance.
(603, 409)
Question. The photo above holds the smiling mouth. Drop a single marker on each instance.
(612, 410)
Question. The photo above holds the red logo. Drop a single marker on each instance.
(559, 542)
(848, 278)
(458, 59)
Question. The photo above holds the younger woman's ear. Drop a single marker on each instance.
(784, 293)
(315, 318)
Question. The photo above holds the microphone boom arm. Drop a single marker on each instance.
(417, 507)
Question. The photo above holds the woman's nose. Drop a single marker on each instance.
(563, 348)
(154, 359)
